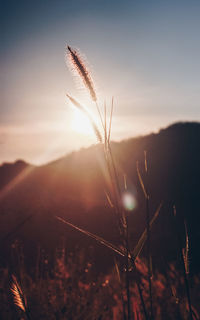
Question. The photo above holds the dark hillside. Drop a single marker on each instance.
(73, 187)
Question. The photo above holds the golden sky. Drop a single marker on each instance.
(144, 53)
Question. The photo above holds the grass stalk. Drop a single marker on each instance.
(148, 238)
(146, 195)
(123, 223)
(149, 256)
(121, 287)
(113, 175)
(127, 274)
(185, 275)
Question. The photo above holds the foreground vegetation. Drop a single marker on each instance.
(69, 288)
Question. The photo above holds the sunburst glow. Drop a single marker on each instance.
(81, 124)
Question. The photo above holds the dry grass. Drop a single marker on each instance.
(19, 298)
(115, 194)
(70, 290)
(134, 286)
(80, 67)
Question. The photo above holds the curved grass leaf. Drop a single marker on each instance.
(95, 237)
(138, 248)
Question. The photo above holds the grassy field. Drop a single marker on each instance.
(69, 288)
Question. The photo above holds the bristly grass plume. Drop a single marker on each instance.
(79, 65)
(19, 297)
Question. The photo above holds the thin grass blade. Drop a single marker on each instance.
(109, 200)
(186, 251)
(138, 248)
(111, 114)
(95, 237)
(141, 181)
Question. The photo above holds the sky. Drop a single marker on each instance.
(143, 53)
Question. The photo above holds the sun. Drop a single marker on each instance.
(81, 124)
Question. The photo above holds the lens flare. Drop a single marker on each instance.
(129, 201)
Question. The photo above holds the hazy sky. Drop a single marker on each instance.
(144, 53)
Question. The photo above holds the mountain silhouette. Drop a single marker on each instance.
(74, 188)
